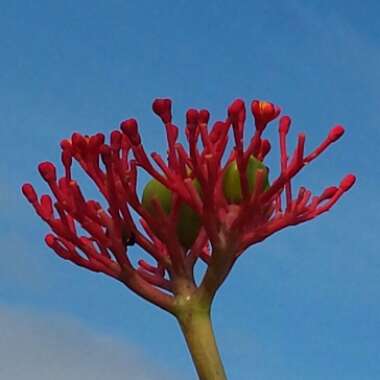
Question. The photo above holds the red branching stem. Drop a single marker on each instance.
(99, 238)
(285, 122)
(335, 133)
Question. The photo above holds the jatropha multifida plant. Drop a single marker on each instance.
(202, 203)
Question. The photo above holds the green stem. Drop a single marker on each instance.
(197, 329)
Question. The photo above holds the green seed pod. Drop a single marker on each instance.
(188, 220)
(231, 179)
(156, 190)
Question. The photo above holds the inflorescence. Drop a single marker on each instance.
(98, 239)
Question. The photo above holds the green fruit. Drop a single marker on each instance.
(188, 220)
(231, 179)
(156, 190)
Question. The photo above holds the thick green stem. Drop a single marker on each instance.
(192, 308)
(197, 329)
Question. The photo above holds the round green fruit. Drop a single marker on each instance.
(156, 190)
(231, 179)
(188, 220)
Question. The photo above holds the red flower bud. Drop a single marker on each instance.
(347, 182)
(116, 139)
(130, 128)
(29, 192)
(79, 142)
(264, 112)
(284, 126)
(236, 111)
(47, 171)
(336, 133)
(50, 240)
(163, 108)
(204, 116)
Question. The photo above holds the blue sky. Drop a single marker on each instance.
(303, 304)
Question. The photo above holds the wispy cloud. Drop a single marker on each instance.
(36, 347)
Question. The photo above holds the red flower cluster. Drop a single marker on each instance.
(98, 238)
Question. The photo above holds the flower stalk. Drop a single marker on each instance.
(197, 329)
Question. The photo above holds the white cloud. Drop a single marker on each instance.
(36, 347)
